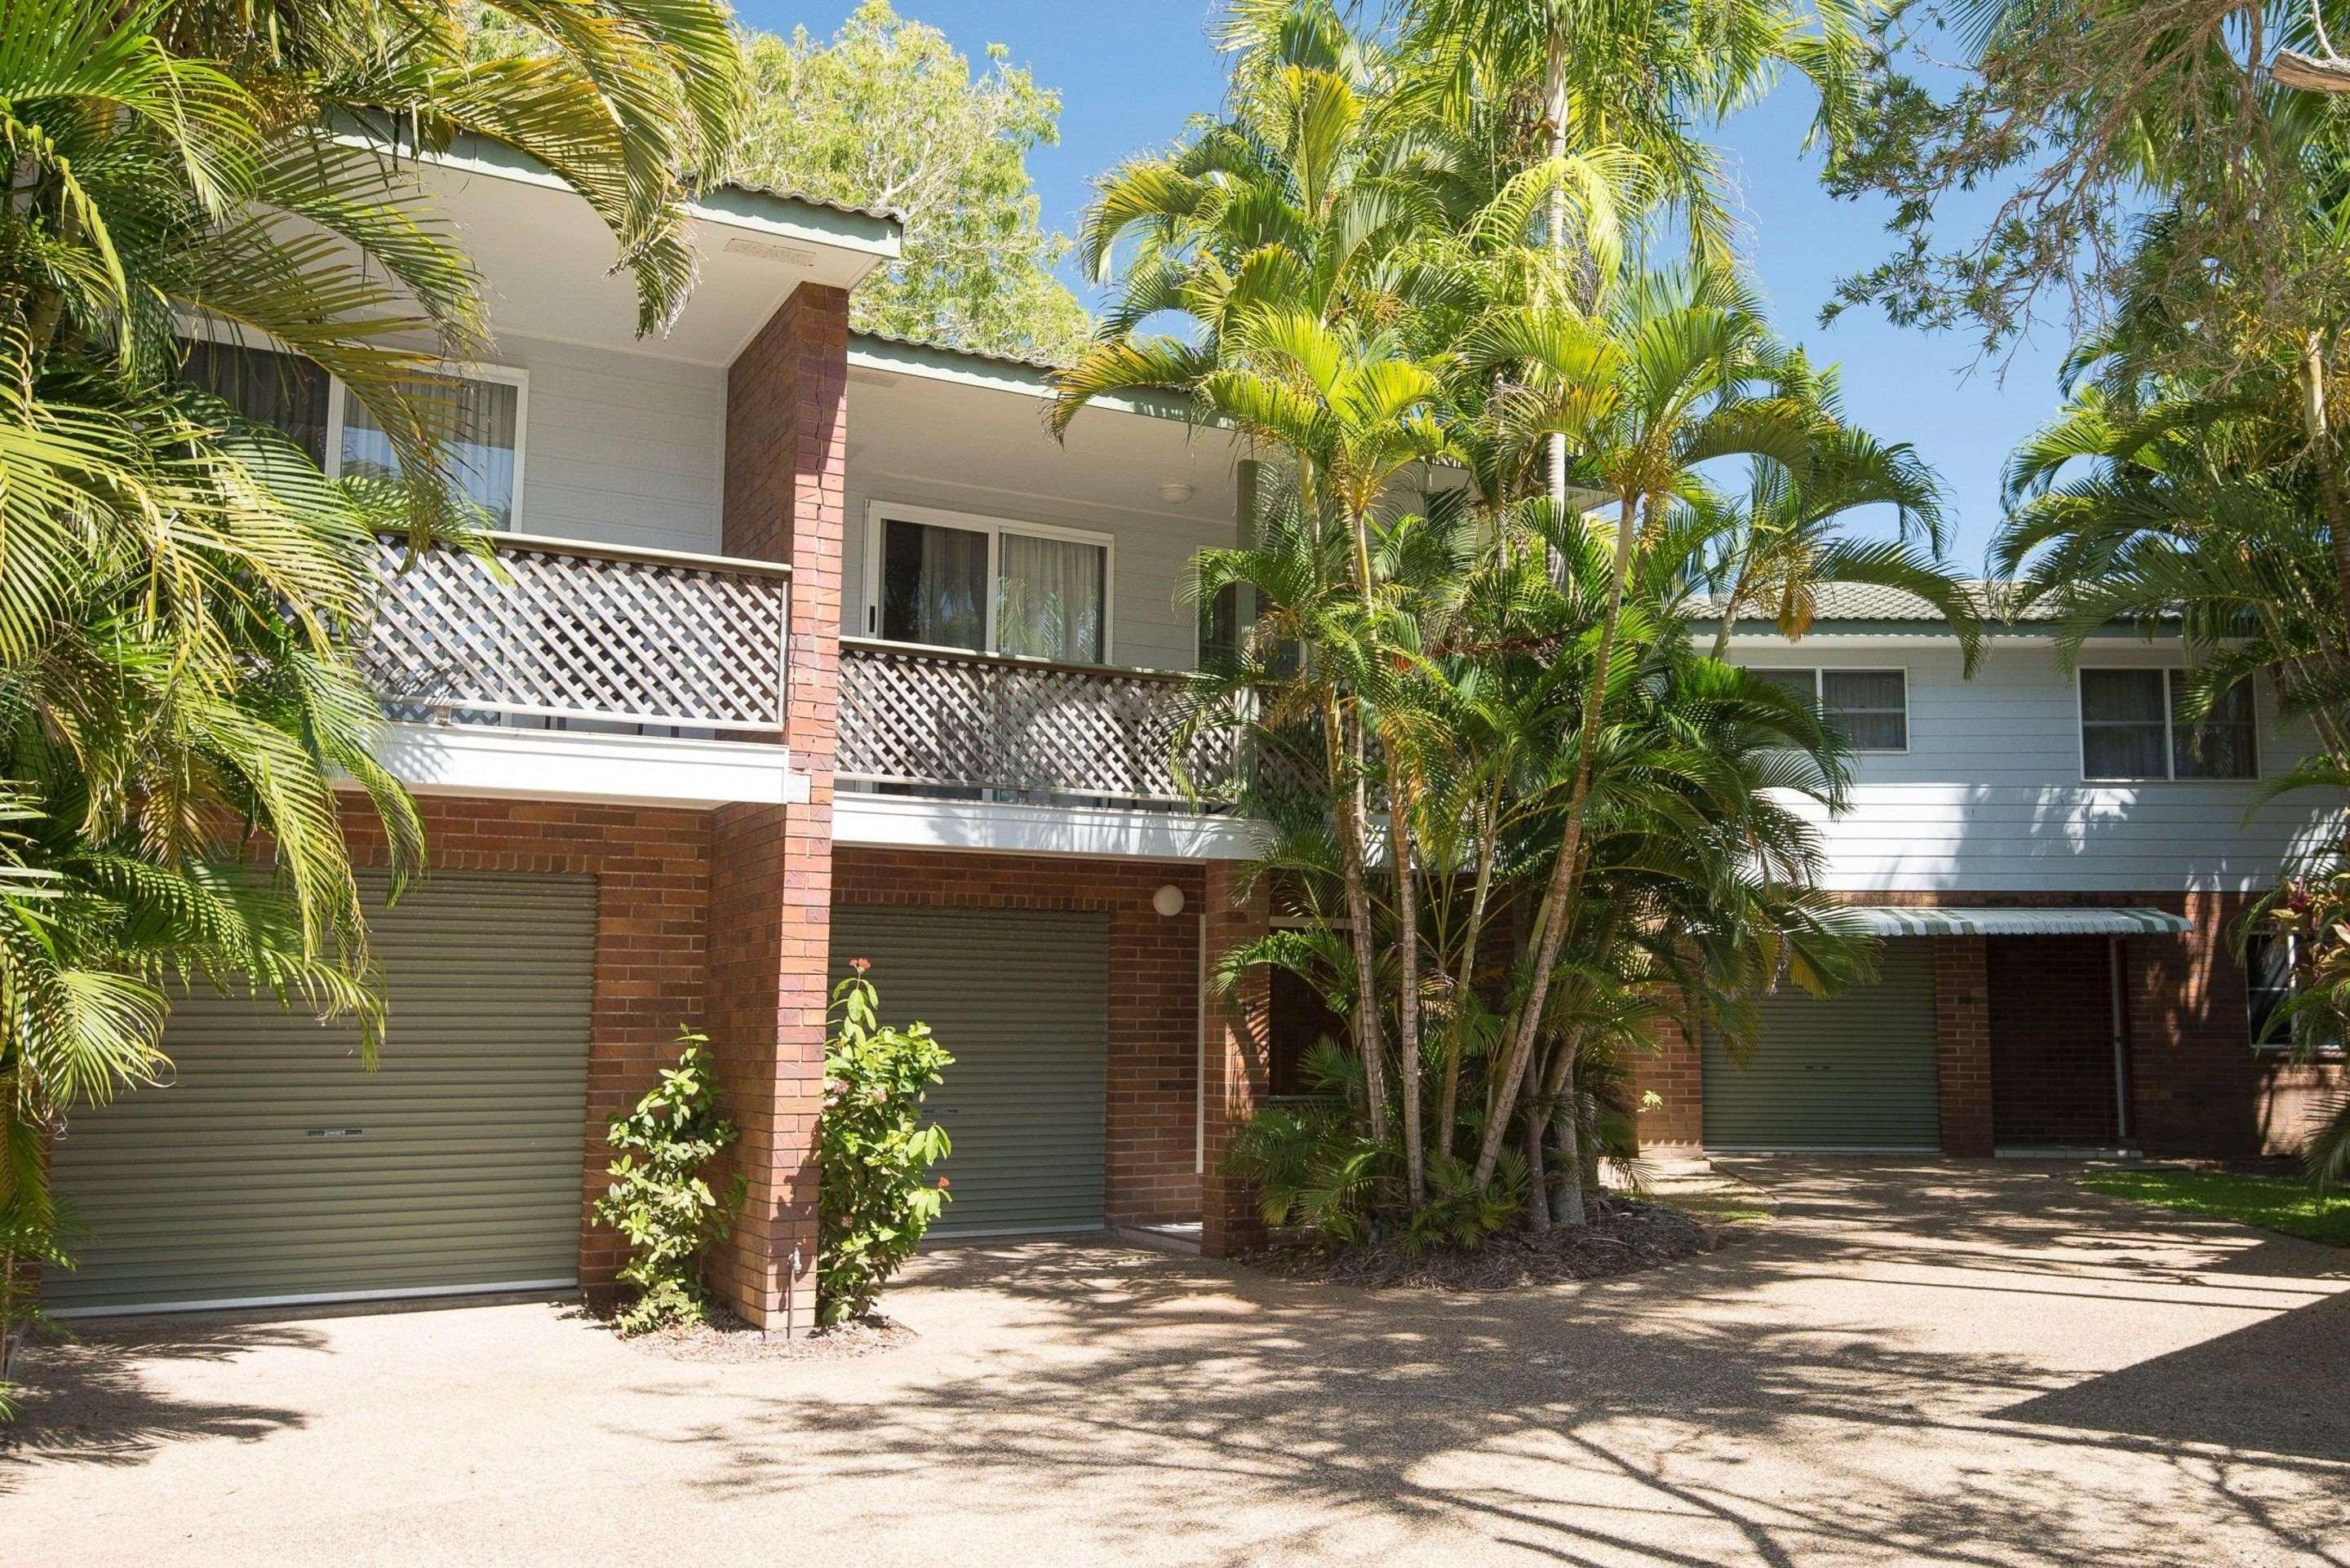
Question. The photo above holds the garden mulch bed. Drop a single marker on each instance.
(1625, 1235)
(727, 1338)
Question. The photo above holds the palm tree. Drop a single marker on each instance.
(181, 594)
(1687, 373)
(1773, 549)
(1641, 83)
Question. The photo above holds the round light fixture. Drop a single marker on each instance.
(1176, 490)
(1167, 900)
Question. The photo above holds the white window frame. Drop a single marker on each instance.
(1819, 674)
(513, 376)
(879, 512)
(2284, 1046)
(2169, 774)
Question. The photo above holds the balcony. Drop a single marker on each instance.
(968, 726)
(563, 634)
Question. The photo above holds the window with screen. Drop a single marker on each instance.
(1870, 708)
(2133, 728)
(478, 416)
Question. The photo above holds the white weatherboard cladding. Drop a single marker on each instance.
(1990, 797)
(621, 448)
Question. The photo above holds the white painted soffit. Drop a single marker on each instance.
(1900, 921)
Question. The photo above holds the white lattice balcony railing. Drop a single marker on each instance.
(583, 632)
(940, 720)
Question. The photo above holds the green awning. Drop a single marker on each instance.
(1902, 921)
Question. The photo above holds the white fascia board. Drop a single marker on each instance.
(902, 822)
(928, 363)
(576, 765)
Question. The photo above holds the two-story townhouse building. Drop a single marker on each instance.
(811, 646)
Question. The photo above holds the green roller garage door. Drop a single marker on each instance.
(1020, 999)
(275, 1168)
(1852, 1071)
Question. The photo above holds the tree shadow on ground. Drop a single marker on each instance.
(94, 1399)
(1685, 1415)
(2284, 1377)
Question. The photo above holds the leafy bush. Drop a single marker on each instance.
(874, 1153)
(659, 1200)
(1315, 1168)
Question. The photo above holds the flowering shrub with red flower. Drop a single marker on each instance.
(874, 1194)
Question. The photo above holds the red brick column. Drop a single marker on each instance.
(1235, 1061)
(1675, 1073)
(1962, 1044)
(771, 867)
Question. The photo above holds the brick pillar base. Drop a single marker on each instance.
(767, 982)
(1962, 1045)
(1675, 1073)
(1235, 1061)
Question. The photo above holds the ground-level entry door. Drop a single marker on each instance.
(1851, 1071)
(274, 1167)
(1020, 997)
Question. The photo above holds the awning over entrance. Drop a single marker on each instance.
(1899, 920)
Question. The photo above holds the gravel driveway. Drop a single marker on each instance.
(1919, 1363)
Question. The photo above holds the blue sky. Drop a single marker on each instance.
(1130, 71)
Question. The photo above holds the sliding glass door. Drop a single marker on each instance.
(991, 588)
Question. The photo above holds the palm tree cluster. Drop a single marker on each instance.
(181, 590)
(1516, 817)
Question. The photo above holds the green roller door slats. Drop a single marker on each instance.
(1020, 997)
(1851, 1071)
(275, 1167)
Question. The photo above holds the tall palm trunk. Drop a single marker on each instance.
(1346, 757)
(1554, 109)
(1537, 1178)
(1550, 920)
(1448, 1110)
(1566, 1128)
(1400, 803)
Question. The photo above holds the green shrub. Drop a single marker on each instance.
(874, 1153)
(659, 1200)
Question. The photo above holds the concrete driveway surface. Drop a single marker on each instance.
(1921, 1363)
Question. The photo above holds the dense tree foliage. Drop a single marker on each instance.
(181, 591)
(1513, 814)
(888, 114)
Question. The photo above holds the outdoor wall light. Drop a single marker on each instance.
(1167, 900)
(1176, 490)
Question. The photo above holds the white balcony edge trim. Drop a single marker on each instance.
(901, 822)
(576, 765)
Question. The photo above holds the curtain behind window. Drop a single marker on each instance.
(2123, 728)
(266, 387)
(1049, 598)
(483, 424)
(934, 585)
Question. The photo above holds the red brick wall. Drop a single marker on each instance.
(2195, 1082)
(2293, 1096)
(652, 890)
(1962, 1046)
(787, 459)
(1675, 1073)
(2052, 1050)
(1154, 1008)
